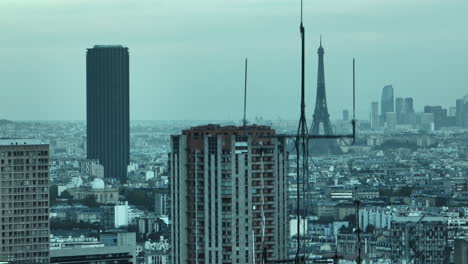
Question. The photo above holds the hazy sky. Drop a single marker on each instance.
(186, 56)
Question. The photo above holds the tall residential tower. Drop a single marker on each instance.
(228, 195)
(107, 105)
(24, 200)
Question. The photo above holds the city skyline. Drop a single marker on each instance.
(167, 74)
(179, 158)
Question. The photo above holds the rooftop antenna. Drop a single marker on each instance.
(353, 122)
(302, 138)
(245, 96)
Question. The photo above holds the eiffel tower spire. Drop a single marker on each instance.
(321, 115)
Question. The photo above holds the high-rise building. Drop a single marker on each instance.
(460, 112)
(107, 117)
(228, 195)
(391, 122)
(375, 115)
(387, 104)
(24, 199)
(408, 109)
(399, 105)
(424, 240)
(427, 122)
(461, 250)
(440, 115)
(345, 115)
(452, 111)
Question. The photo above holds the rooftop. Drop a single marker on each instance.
(107, 46)
(229, 128)
(18, 141)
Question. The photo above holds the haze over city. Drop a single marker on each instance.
(189, 55)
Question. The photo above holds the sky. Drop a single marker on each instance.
(187, 57)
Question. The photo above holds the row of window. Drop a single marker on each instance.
(25, 183)
(24, 254)
(21, 176)
(23, 168)
(16, 211)
(23, 161)
(25, 219)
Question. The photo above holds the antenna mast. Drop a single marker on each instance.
(302, 146)
(245, 95)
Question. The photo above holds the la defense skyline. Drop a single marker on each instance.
(107, 109)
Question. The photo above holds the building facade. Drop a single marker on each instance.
(440, 115)
(107, 109)
(24, 201)
(387, 103)
(110, 249)
(375, 115)
(399, 109)
(228, 195)
(423, 240)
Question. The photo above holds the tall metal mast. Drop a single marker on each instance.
(245, 95)
(302, 144)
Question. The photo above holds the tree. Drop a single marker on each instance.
(370, 229)
(351, 219)
(404, 191)
(66, 195)
(140, 198)
(90, 201)
(441, 201)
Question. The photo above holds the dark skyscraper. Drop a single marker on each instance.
(387, 104)
(108, 121)
(321, 115)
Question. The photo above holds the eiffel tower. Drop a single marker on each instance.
(321, 116)
(321, 111)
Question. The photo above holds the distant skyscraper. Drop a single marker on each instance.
(409, 108)
(228, 195)
(440, 115)
(391, 121)
(375, 115)
(387, 104)
(452, 112)
(427, 122)
(408, 111)
(24, 197)
(345, 115)
(460, 112)
(108, 121)
(399, 105)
